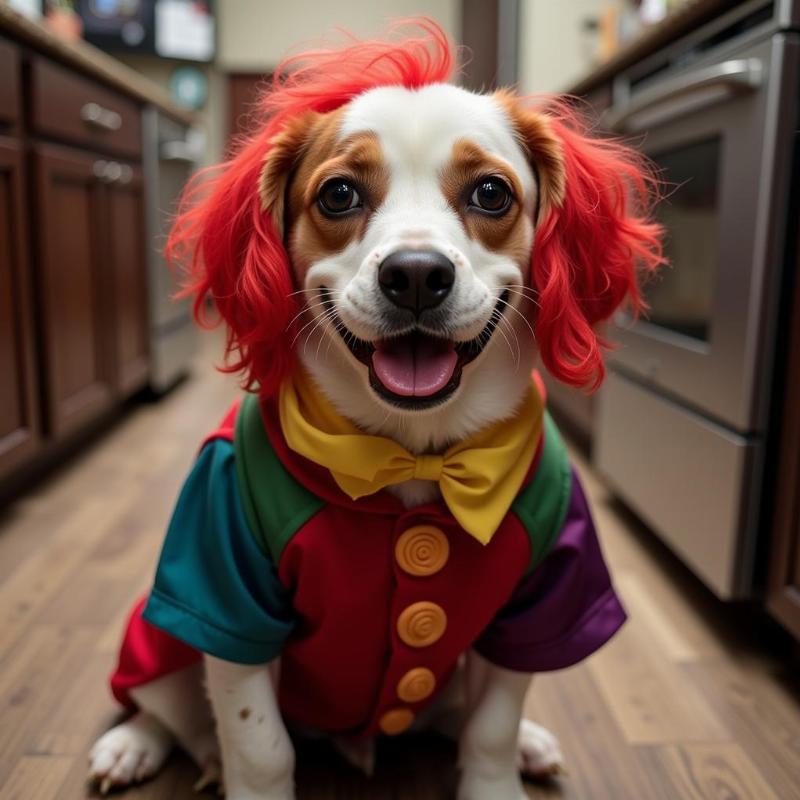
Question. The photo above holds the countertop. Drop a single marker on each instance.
(680, 22)
(89, 60)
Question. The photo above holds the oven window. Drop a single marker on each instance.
(680, 298)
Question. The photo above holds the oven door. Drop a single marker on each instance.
(711, 132)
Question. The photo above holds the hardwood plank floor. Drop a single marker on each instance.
(692, 700)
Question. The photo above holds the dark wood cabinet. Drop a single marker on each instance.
(91, 283)
(74, 285)
(18, 410)
(125, 239)
(72, 303)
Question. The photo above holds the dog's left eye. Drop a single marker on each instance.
(338, 196)
(492, 196)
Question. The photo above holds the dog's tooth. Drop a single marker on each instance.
(105, 785)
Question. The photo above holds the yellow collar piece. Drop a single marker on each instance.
(479, 478)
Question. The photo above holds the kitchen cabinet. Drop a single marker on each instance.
(124, 202)
(72, 304)
(19, 434)
(75, 331)
(91, 281)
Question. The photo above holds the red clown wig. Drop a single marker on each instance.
(588, 255)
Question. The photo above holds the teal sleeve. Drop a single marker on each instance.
(215, 589)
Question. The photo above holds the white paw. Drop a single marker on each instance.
(129, 753)
(538, 751)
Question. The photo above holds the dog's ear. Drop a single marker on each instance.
(284, 154)
(594, 236)
(228, 239)
(543, 149)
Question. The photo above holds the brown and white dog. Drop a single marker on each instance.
(439, 241)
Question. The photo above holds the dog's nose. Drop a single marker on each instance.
(416, 279)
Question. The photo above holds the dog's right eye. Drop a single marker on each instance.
(337, 196)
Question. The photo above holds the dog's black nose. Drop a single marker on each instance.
(416, 279)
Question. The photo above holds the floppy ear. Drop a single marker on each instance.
(594, 238)
(285, 152)
(228, 238)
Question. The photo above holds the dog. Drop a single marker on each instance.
(385, 534)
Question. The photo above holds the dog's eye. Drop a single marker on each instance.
(492, 196)
(337, 196)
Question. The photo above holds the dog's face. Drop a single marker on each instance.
(409, 217)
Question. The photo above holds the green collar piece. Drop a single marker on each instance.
(275, 504)
(542, 505)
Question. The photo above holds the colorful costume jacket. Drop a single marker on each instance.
(368, 604)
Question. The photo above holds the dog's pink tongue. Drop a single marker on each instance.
(414, 366)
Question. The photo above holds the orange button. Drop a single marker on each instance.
(422, 550)
(396, 721)
(421, 624)
(417, 684)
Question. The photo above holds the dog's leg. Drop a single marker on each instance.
(257, 754)
(538, 751)
(171, 708)
(493, 734)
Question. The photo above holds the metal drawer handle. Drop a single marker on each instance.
(738, 76)
(99, 117)
(113, 172)
(177, 151)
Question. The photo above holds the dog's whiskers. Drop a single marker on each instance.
(326, 318)
(499, 329)
(303, 311)
(520, 315)
(525, 292)
(316, 319)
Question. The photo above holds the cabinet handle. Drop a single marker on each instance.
(125, 175)
(113, 172)
(95, 115)
(99, 169)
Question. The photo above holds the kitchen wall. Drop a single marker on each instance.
(555, 49)
(255, 34)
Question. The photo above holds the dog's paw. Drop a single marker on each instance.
(539, 754)
(129, 753)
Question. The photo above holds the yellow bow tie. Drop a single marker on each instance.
(478, 478)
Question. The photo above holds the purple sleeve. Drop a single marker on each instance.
(562, 611)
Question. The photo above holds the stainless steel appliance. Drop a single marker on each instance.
(171, 154)
(683, 419)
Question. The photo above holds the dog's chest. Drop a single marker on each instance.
(415, 492)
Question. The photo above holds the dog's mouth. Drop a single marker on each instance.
(416, 369)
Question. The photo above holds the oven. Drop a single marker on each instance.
(682, 423)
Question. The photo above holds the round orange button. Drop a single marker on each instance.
(422, 550)
(417, 684)
(421, 624)
(396, 721)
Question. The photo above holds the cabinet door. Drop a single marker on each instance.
(18, 426)
(74, 310)
(127, 282)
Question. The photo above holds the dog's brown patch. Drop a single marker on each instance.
(305, 155)
(542, 147)
(507, 234)
(313, 234)
(244, 713)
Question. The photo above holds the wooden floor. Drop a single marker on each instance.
(691, 700)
